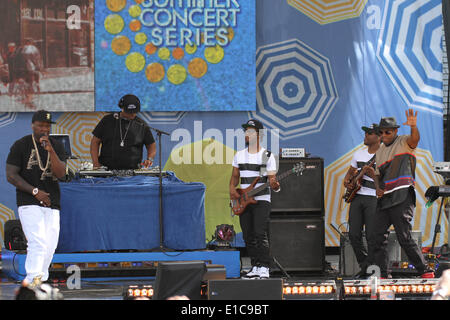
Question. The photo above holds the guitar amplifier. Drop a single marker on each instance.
(303, 193)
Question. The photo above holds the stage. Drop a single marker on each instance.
(327, 286)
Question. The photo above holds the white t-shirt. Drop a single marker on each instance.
(249, 168)
(362, 157)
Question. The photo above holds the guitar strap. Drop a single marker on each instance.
(265, 158)
(366, 183)
(367, 162)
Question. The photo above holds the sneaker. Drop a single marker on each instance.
(253, 273)
(264, 273)
(37, 281)
(427, 274)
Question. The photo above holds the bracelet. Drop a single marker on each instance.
(151, 159)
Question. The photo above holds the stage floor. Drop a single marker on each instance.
(114, 289)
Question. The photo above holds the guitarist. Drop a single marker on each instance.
(363, 206)
(248, 164)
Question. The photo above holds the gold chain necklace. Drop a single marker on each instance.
(39, 157)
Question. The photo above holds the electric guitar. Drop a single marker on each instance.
(355, 184)
(247, 195)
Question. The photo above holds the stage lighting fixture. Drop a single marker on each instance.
(224, 234)
(135, 291)
(310, 289)
(402, 288)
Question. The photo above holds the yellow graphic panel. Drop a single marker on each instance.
(328, 11)
(209, 162)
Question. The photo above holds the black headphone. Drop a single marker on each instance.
(121, 101)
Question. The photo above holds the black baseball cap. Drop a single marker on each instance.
(253, 123)
(373, 128)
(130, 103)
(43, 116)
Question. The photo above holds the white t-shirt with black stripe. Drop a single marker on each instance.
(361, 158)
(250, 167)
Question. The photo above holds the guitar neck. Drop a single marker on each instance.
(362, 173)
(265, 185)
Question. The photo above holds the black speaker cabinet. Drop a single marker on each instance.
(298, 243)
(303, 193)
(14, 238)
(177, 278)
(245, 289)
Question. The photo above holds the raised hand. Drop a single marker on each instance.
(411, 118)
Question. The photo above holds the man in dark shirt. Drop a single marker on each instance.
(34, 165)
(118, 138)
(394, 182)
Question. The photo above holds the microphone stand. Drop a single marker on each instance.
(161, 227)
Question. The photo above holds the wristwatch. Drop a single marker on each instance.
(151, 159)
(35, 191)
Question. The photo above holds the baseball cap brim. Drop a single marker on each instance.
(245, 126)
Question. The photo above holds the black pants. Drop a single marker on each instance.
(255, 226)
(400, 216)
(362, 215)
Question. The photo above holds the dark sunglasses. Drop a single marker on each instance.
(386, 132)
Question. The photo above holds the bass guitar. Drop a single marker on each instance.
(355, 184)
(247, 195)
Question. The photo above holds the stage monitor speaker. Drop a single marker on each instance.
(396, 253)
(175, 278)
(14, 238)
(242, 289)
(303, 193)
(298, 244)
(348, 265)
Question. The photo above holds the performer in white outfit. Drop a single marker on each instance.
(34, 165)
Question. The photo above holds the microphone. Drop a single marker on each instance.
(44, 142)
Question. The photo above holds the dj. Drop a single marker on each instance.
(118, 138)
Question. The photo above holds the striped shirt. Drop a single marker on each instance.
(396, 165)
(359, 160)
(251, 166)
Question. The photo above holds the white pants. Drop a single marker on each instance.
(41, 228)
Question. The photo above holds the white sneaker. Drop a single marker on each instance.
(264, 272)
(253, 273)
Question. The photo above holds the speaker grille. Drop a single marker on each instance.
(303, 193)
(298, 244)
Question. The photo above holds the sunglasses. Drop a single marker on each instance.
(386, 132)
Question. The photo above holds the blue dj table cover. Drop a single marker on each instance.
(122, 213)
